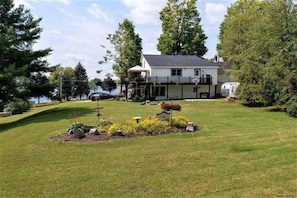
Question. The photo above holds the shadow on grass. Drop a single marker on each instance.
(50, 115)
(261, 105)
(255, 104)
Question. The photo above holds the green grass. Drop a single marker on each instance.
(238, 152)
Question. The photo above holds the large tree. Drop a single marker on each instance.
(63, 77)
(41, 86)
(94, 84)
(181, 30)
(81, 86)
(18, 61)
(108, 84)
(259, 39)
(127, 48)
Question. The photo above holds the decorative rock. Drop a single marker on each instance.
(94, 131)
(119, 133)
(70, 131)
(191, 127)
(164, 116)
(78, 133)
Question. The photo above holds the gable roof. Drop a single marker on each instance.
(178, 60)
(137, 68)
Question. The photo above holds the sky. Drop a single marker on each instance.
(76, 30)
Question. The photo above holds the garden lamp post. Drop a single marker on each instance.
(61, 74)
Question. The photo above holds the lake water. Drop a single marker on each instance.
(45, 99)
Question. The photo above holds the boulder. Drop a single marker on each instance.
(191, 127)
(94, 131)
(70, 131)
(119, 133)
(78, 133)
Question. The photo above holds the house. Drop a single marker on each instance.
(224, 75)
(174, 77)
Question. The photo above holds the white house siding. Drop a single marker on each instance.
(147, 66)
(189, 93)
(162, 74)
(186, 91)
(188, 72)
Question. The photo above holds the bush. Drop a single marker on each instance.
(17, 107)
(129, 127)
(291, 107)
(169, 107)
(112, 130)
(152, 126)
(148, 126)
(179, 122)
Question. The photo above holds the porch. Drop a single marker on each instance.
(206, 80)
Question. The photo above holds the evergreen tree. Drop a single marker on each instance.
(127, 48)
(181, 30)
(18, 61)
(41, 86)
(108, 84)
(81, 86)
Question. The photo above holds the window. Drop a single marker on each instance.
(197, 72)
(176, 72)
(160, 91)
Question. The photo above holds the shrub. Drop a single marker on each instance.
(17, 107)
(291, 107)
(112, 130)
(148, 126)
(137, 98)
(169, 107)
(152, 126)
(130, 127)
(179, 122)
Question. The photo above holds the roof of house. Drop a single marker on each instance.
(178, 60)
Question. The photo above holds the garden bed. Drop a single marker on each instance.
(65, 137)
(107, 130)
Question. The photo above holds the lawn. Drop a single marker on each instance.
(238, 152)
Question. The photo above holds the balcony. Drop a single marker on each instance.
(206, 80)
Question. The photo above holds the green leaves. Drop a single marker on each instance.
(127, 48)
(181, 29)
(19, 31)
(257, 38)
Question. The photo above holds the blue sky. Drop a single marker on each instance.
(76, 29)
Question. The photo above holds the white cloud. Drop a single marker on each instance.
(214, 12)
(96, 11)
(145, 11)
(77, 57)
(58, 1)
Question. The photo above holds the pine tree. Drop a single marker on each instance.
(181, 30)
(18, 61)
(81, 86)
(41, 86)
(108, 84)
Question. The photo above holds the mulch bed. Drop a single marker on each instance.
(65, 137)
